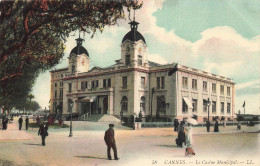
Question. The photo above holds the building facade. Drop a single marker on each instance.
(134, 84)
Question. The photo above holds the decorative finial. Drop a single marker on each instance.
(79, 40)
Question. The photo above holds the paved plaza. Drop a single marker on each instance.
(149, 146)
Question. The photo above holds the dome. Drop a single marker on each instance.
(79, 49)
(133, 35)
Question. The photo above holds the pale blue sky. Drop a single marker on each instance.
(220, 37)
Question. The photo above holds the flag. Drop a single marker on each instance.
(244, 104)
(173, 70)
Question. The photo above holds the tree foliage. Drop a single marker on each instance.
(32, 34)
(28, 106)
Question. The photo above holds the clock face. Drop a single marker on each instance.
(140, 50)
(82, 62)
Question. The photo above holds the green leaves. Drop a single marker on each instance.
(32, 36)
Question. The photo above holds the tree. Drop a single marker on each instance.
(33, 33)
(28, 106)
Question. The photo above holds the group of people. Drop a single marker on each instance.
(20, 121)
(184, 136)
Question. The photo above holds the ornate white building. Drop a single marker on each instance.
(134, 84)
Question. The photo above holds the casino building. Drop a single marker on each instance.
(134, 84)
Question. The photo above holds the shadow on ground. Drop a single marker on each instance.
(168, 146)
(91, 157)
(32, 144)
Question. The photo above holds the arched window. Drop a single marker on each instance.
(142, 105)
(124, 104)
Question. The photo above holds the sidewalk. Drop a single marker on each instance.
(13, 133)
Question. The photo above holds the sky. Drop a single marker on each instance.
(221, 37)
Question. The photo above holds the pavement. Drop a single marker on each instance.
(145, 147)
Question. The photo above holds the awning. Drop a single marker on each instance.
(187, 101)
(89, 98)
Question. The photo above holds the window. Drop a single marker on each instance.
(163, 82)
(205, 104)
(55, 84)
(127, 60)
(142, 104)
(184, 107)
(142, 82)
(86, 84)
(222, 107)
(222, 89)
(228, 108)
(61, 93)
(73, 69)
(228, 91)
(83, 86)
(158, 82)
(140, 61)
(55, 94)
(61, 84)
(194, 105)
(213, 88)
(96, 83)
(104, 83)
(213, 106)
(124, 104)
(205, 86)
(185, 82)
(194, 84)
(69, 87)
(109, 82)
(124, 81)
(161, 105)
(92, 84)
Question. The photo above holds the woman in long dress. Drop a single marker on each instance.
(188, 140)
(188, 135)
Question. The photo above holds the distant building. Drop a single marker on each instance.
(134, 84)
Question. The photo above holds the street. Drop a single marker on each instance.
(149, 146)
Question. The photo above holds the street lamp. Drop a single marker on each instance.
(208, 123)
(71, 106)
(208, 104)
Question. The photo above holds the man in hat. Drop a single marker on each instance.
(20, 122)
(43, 131)
(110, 142)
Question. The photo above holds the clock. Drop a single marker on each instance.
(140, 50)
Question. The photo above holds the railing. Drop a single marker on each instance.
(83, 117)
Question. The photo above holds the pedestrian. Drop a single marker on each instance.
(239, 125)
(180, 140)
(216, 127)
(26, 122)
(224, 123)
(110, 142)
(188, 141)
(6, 123)
(176, 125)
(208, 125)
(188, 135)
(20, 122)
(43, 131)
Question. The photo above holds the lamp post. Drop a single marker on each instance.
(71, 106)
(153, 90)
(208, 103)
(208, 122)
